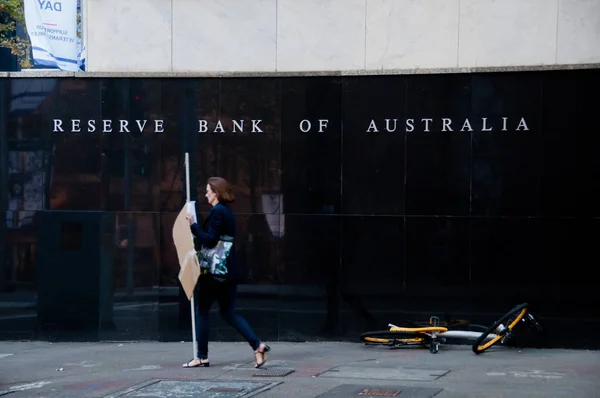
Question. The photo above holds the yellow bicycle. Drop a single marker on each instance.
(434, 334)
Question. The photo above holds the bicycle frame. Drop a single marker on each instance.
(458, 334)
(439, 337)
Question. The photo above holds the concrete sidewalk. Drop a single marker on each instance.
(328, 370)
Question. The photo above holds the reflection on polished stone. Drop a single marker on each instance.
(311, 161)
(249, 161)
(438, 161)
(570, 145)
(373, 178)
(507, 165)
(437, 252)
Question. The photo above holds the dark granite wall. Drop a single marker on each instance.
(481, 195)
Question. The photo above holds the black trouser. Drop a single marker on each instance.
(207, 290)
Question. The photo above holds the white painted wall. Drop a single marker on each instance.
(338, 35)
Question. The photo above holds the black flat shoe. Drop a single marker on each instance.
(199, 364)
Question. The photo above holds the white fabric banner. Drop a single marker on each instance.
(52, 28)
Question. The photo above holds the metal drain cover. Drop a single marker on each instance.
(379, 392)
(193, 389)
(273, 372)
(352, 390)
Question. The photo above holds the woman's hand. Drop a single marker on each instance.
(190, 218)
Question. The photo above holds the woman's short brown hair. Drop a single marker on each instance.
(222, 189)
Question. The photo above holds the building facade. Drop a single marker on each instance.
(333, 35)
(374, 185)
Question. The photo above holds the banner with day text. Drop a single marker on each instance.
(52, 27)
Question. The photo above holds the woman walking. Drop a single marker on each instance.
(220, 221)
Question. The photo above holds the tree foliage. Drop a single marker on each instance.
(11, 14)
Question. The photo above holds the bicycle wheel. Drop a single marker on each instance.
(394, 338)
(501, 328)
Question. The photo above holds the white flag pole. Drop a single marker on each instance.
(187, 201)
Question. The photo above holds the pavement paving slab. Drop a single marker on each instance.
(35, 369)
(374, 373)
(375, 391)
(193, 389)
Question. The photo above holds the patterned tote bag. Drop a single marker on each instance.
(214, 260)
